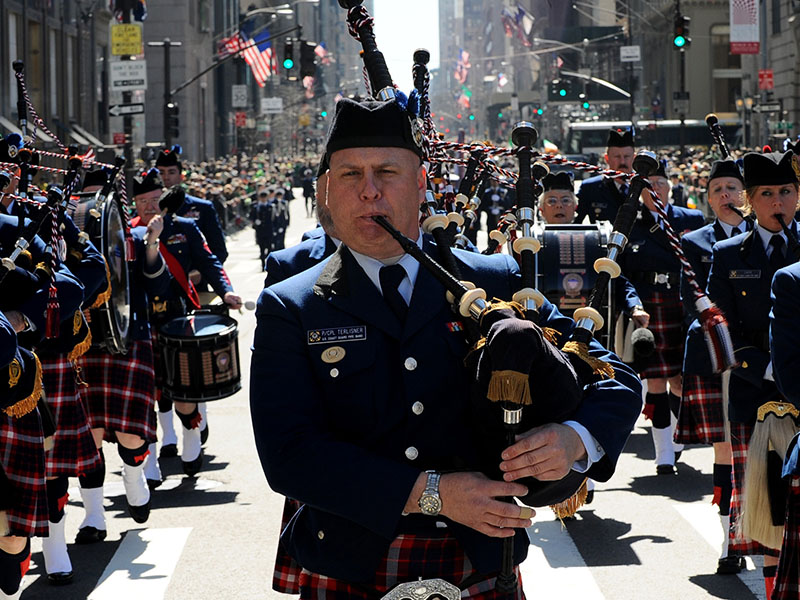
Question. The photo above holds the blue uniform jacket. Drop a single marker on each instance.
(334, 435)
(34, 306)
(318, 231)
(649, 251)
(739, 284)
(599, 198)
(145, 284)
(697, 247)
(282, 264)
(783, 329)
(183, 240)
(8, 342)
(205, 215)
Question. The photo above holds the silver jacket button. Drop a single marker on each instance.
(410, 364)
(412, 453)
(334, 372)
(417, 408)
(320, 534)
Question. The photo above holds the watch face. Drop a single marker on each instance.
(430, 505)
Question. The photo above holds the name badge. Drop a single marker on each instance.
(177, 238)
(337, 334)
(744, 274)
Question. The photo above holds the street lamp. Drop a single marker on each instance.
(745, 106)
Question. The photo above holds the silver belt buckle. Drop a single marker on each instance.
(424, 589)
(662, 278)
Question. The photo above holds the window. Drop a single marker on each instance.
(776, 16)
(204, 14)
(52, 40)
(71, 75)
(726, 70)
(13, 53)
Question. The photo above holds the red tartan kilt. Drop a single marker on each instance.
(666, 323)
(74, 451)
(701, 419)
(22, 457)
(121, 391)
(787, 581)
(410, 557)
(740, 440)
(286, 576)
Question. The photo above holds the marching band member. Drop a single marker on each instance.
(654, 270)
(183, 248)
(739, 284)
(600, 197)
(364, 423)
(261, 218)
(120, 389)
(702, 417)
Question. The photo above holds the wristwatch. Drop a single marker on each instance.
(430, 503)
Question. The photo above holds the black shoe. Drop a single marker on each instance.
(64, 578)
(678, 455)
(665, 469)
(90, 535)
(140, 514)
(204, 435)
(730, 565)
(168, 451)
(154, 483)
(589, 497)
(192, 468)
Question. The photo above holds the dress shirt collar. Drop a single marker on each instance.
(372, 268)
(766, 236)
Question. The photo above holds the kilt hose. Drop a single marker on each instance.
(410, 557)
(120, 396)
(787, 580)
(666, 323)
(286, 575)
(23, 460)
(701, 419)
(740, 440)
(74, 452)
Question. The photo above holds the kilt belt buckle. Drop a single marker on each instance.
(424, 589)
(662, 279)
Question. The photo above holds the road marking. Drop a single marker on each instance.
(143, 565)
(704, 518)
(551, 553)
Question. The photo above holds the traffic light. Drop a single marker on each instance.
(539, 112)
(308, 65)
(288, 55)
(323, 114)
(680, 33)
(171, 121)
(472, 117)
(458, 116)
(499, 115)
(560, 89)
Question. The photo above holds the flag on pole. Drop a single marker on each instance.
(322, 52)
(462, 66)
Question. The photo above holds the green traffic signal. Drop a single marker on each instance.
(562, 92)
(288, 64)
(679, 41)
(539, 111)
(586, 105)
(472, 117)
(323, 114)
(499, 115)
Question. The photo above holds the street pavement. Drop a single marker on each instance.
(644, 536)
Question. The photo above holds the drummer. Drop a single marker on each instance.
(120, 394)
(183, 248)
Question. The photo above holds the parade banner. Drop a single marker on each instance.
(744, 27)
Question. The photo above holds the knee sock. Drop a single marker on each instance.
(769, 579)
(661, 410)
(57, 497)
(13, 568)
(92, 495)
(96, 477)
(168, 435)
(722, 488)
(191, 435)
(674, 403)
(136, 490)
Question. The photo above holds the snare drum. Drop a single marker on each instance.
(200, 358)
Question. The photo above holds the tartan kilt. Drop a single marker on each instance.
(787, 580)
(701, 419)
(74, 451)
(121, 391)
(666, 323)
(740, 440)
(410, 557)
(286, 575)
(23, 460)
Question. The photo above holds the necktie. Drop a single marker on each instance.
(735, 231)
(390, 278)
(776, 259)
(623, 189)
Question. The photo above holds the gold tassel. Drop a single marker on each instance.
(570, 506)
(599, 367)
(27, 405)
(509, 386)
(551, 335)
(497, 304)
(779, 409)
(105, 296)
(81, 348)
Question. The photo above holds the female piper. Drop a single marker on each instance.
(702, 418)
(652, 267)
(739, 284)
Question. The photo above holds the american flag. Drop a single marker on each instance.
(257, 52)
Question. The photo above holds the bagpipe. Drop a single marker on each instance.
(765, 492)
